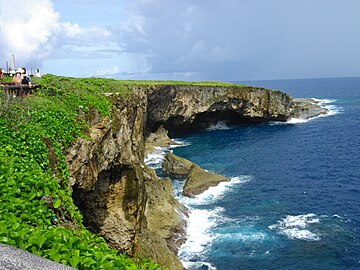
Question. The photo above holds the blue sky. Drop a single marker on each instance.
(184, 40)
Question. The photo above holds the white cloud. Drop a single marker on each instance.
(26, 29)
(110, 72)
(74, 31)
(34, 32)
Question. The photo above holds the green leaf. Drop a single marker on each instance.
(55, 256)
(57, 203)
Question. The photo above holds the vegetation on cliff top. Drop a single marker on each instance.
(37, 213)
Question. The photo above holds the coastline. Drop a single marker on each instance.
(314, 109)
(97, 169)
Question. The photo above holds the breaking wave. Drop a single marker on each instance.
(220, 125)
(298, 227)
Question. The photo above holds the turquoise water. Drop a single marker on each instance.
(294, 198)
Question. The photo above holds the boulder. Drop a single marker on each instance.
(176, 166)
(197, 180)
(158, 138)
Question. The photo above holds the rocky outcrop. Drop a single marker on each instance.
(176, 166)
(197, 180)
(159, 138)
(305, 108)
(122, 199)
(182, 108)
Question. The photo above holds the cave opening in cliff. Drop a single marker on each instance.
(96, 202)
(208, 119)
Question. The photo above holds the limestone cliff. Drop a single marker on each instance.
(120, 197)
(184, 107)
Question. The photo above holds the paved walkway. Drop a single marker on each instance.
(16, 259)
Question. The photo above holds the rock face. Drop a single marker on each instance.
(120, 197)
(305, 108)
(197, 179)
(175, 165)
(180, 108)
(158, 138)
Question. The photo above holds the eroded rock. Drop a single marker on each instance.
(306, 108)
(158, 139)
(120, 198)
(197, 180)
(176, 166)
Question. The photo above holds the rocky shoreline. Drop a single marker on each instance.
(120, 197)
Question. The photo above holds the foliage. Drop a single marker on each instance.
(200, 83)
(37, 213)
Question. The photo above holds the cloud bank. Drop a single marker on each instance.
(27, 29)
(243, 39)
(34, 33)
(191, 40)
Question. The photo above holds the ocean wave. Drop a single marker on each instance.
(215, 193)
(297, 227)
(220, 125)
(199, 237)
(198, 230)
(179, 143)
(201, 222)
(244, 236)
(332, 109)
(325, 103)
(198, 265)
(154, 159)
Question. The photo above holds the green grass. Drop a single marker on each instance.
(37, 213)
(149, 83)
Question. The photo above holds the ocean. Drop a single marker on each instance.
(293, 201)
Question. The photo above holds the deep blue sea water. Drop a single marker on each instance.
(294, 198)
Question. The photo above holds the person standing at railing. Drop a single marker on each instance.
(25, 78)
(17, 79)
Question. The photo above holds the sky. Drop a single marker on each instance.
(226, 40)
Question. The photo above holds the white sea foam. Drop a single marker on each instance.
(179, 143)
(325, 103)
(198, 265)
(198, 231)
(154, 159)
(200, 222)
(220, 125)
(332, 109)
(215, 193)
(297, 227)
(199, 236)
(244, 236)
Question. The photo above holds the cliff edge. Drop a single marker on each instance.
(121, 198)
